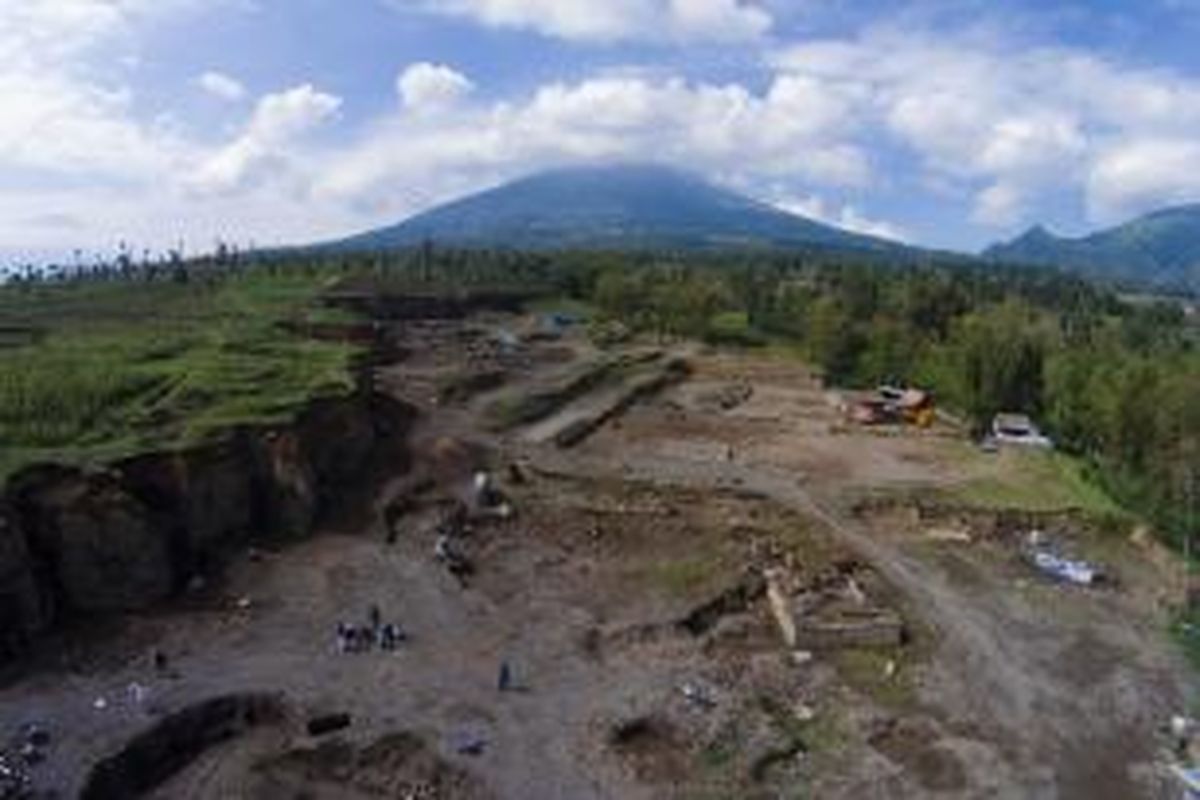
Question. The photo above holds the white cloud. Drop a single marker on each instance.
(617, 20)
(846, 216)
(37, 34)
(999, 126)
(61, 110)
(1001, 205)
(431, 87)
(278, 121)
(1143, 174)
(722, 130)
(221, 86)
(723, 20)
(1013, 124)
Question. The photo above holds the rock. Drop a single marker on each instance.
(803, 712)
(802, 657)
(949, 534)
(781, 608)
(883, 629)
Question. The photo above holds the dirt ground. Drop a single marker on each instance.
(625, 600)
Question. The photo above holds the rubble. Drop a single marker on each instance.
(830, 618)
(874, 629)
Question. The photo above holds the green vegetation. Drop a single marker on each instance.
(119, 367)
(1039, 481)
(1161, 247)
(1185, 629)
(733, 328)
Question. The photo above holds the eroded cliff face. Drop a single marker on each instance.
(24, 607)
(105, 549)
(77, 543)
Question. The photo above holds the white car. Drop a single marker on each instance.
(1018, 429)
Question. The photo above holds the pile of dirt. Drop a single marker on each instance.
(398, 765)
(913, 744)
(168, 746)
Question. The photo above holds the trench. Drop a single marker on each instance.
(162, 750)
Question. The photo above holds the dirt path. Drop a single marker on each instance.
(1064, 734)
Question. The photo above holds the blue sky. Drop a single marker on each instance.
(949, 124)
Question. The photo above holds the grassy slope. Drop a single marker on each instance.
(1037, 481)
(124, 368)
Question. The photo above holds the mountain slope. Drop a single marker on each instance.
(1162, 248)
(619, 207)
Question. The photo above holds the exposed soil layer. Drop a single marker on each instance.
(397, 765)
(76, 543)
(174, 741)
(374, 302)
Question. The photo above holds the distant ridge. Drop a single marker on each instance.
(626, 206)
(1159, 249)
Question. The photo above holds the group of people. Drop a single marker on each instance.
(455, 524)
(362, 638)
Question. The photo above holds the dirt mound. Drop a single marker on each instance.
(913, 744)
(397, 765)
(159, 752)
